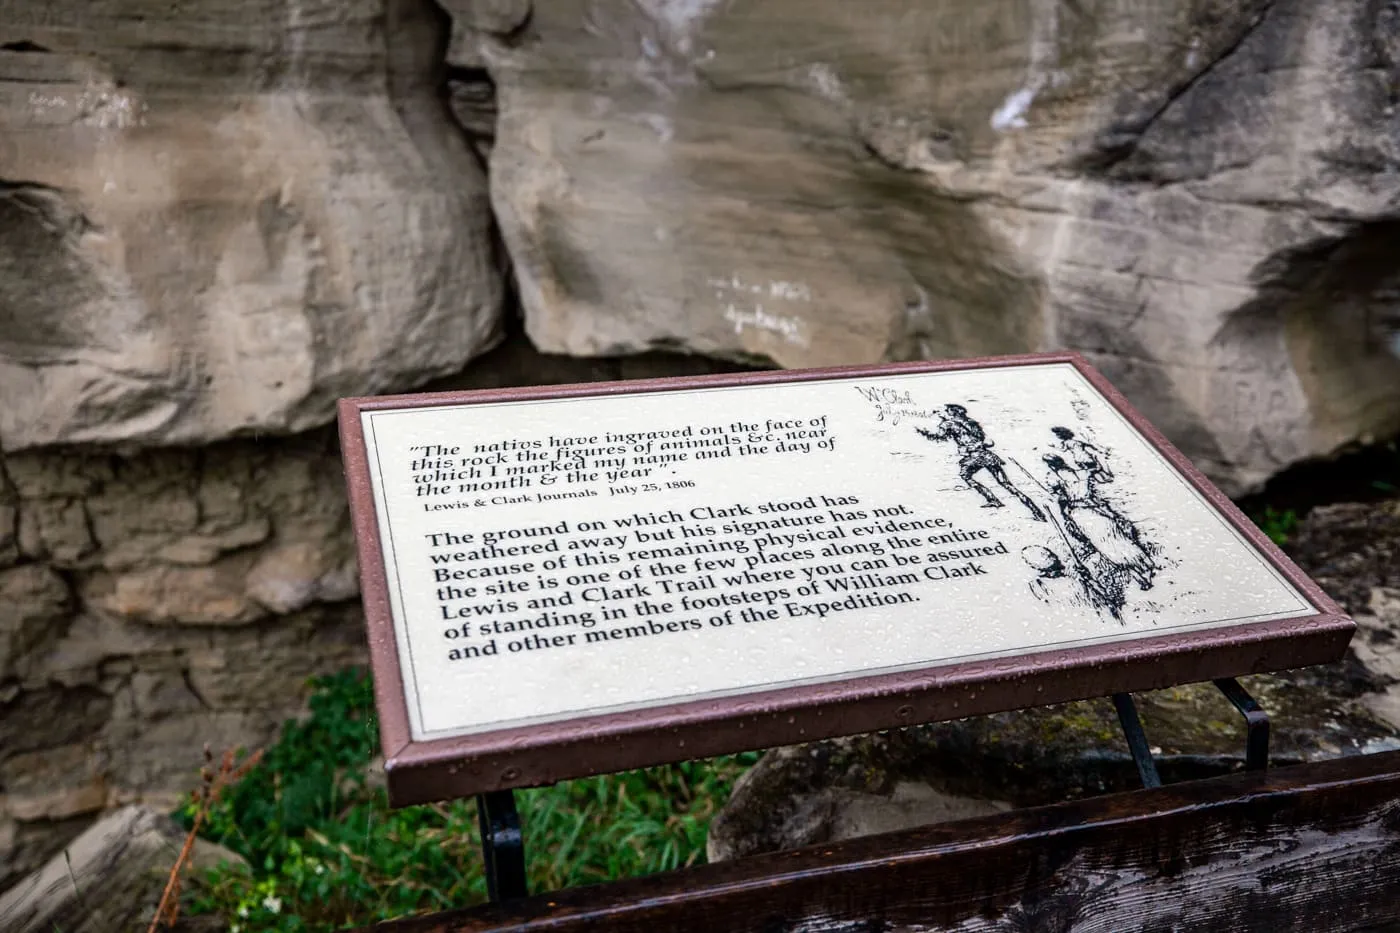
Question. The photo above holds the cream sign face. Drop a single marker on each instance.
(556, 559)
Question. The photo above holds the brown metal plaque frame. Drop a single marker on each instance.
(534, 755)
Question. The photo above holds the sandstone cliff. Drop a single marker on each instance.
(1201, 195)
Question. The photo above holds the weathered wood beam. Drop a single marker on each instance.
(1309, 848)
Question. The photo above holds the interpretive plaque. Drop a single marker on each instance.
(569, 580)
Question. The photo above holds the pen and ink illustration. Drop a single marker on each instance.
(1091, 553)
(975, 456)
(1107, 549)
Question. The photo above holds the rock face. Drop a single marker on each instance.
(110, 879)
(1203, 196)
(215, 219)
(838, 789)
(155, 602)
(218, 217)
(159, 602)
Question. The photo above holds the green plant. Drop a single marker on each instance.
(326, 852)
(1278, 524)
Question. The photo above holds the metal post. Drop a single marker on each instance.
(502, 845)
(1137, 739)
(1256, 747)
(1256, 724)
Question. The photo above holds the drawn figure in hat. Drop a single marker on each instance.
(1095, 526)
(975, 456)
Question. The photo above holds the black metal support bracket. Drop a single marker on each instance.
(502, 845)
(1137, 739)
(1256, 724)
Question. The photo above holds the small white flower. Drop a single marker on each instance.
(320, 869)
(243, 911)
(272, 904)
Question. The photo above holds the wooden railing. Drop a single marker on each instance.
(1311, 848)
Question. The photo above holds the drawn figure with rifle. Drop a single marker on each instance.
(975, 456)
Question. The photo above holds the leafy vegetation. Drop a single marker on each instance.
(326, 852)
(1370, 474)
(1278, 524)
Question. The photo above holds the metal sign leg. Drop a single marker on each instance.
(1137, 739)
(502, 845)
(1256, 724)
